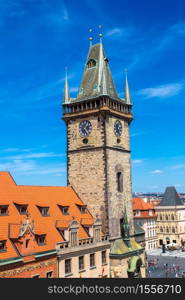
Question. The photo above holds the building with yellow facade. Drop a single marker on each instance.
(171, 218)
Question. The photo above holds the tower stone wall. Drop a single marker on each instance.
(92, 168)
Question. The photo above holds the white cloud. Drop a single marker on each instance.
(179, 166)
(177, 185)
(178, 28)
(141, 133)
(36, 155)
(65, 14)
(157, 172)
(73, 89)
(30, 167)
(137, 162)
(18, 165)
(162, 91)
(117, 31)
(57, 171)
(157, 46)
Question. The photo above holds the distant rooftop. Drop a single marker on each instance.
(171, 198)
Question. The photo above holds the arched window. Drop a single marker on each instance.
(167, 229)
(161, 229)
(172, 217)
(173, 229)
(119, 178)
(91, 63)
(161, 217)
(166, 217)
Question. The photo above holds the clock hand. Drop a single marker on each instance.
(86, 130)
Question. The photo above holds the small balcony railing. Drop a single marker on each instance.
(81, 242)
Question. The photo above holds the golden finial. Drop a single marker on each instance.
(100, 34)
(90, 38)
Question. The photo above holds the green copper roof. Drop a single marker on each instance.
(120, 247)
(10, 260)
(97, 78)
(133, 264)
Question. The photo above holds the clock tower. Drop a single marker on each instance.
(98, 143)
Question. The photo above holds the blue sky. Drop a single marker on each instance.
(40, 37)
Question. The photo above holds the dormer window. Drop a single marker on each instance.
(2, 246)
(91, 63)
(81, 91)
(64, 209)
(22, 208)
(86, 229)
(62, 232)
(3, 210)
(95, 86)
(82, 208)
(106, 60)
(44, 211)
(41, 239)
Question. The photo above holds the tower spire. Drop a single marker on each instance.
(97, 78)
(66, 97)
(127, 91)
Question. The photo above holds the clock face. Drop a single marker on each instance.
(85, 128)
(118, 128)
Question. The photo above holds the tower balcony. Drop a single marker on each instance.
(95, 105)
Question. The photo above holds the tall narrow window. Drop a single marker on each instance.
(119, 182)
(104, 257)
(27, 243)
(73, 238)
(97, 235)
(92, 260)
(67, 266)
(81, 263)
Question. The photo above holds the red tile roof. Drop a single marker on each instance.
(144, 207)
(34, 196)
(140, 204)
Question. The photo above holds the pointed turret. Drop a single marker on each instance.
(66, 96)
(127, 91)
(97, 78)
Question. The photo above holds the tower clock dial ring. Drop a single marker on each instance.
(85, 128)
(118, 128)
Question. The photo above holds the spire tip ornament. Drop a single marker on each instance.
(66, 97)
(127, 91)
(100, 34)
(90, 38)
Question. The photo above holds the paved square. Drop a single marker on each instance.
(166, 265)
